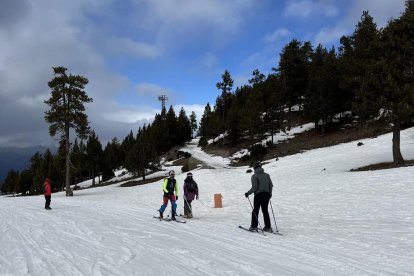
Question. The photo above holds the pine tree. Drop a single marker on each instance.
(112, 154)
(10, 182)
(183, 127)
(257, 78)
(397, 77)
(170, 136)
(25, 181)
(157, 132)
(358, 65)
(36, 168)
(225, 86)
(126, 146)
(251, 116)
(204, 122)
(274, 113)
(193, 123)
(143, 155)
(94, 156)
(67, 110)
(76, 159)
(293, 71)
(323, 86)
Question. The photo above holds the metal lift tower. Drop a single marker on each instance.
(162, 99)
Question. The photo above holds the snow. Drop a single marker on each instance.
(221, 136)
(335, 222)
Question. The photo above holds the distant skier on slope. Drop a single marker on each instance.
(262, 187)
(190, 191)
(169, 186)
(48, 193)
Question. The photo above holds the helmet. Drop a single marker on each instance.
(190, 174)
(172, 172)
(257, 165)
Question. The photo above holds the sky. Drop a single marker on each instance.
(132, 51)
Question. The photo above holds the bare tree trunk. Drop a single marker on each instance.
(67, 181)
(396, 151)
(93, 178)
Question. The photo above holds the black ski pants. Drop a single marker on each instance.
(47, 203)
(260, 201)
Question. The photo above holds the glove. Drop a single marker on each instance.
(197, 197)
(246, 195)
(176, 197)
(270, 196)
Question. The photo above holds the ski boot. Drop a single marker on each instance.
(268, 229)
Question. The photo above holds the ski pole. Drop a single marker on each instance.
(277, 231)
(191, 209)
(203, 203)
(256, 216)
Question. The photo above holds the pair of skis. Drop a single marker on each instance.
(168, 219)
(263, 232)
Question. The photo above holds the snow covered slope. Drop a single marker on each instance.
(334, 222)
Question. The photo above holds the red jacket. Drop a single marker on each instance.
(48, 189)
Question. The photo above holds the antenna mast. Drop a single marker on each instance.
(162, 99)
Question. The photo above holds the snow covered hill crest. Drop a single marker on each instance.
(335, 222)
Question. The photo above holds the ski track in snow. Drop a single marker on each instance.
(334, 222)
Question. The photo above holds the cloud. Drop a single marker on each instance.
(276, 35)
(12, 12)
(175, 22)
(150, 89)
(127, 47)
(307, 8)
(130, 115)
(209, 61)
(329, 35)
(380, 10)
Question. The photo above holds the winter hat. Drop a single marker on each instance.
(190, 174)
(257, 165)
(47, 180)
(172, 172)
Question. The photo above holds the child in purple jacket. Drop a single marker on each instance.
(190, 192)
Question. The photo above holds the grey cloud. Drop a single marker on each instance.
(28, 55)
(12, 12)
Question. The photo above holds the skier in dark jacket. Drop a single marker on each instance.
(190, 192)
(47, 193)
(262, 187)
(170, 185)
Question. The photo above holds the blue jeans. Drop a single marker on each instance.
(173, 204)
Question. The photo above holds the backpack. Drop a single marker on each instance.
(191, 187)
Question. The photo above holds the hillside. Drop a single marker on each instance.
(300, 138)
(334, 222)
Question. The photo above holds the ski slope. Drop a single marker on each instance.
(334, 222)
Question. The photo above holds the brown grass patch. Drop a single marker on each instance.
(384, 166)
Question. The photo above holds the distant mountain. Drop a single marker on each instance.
(16, 159)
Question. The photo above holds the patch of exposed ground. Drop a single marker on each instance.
(309, 140)
(384, 166)
(140, 182)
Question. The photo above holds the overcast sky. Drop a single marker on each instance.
(134, 50)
